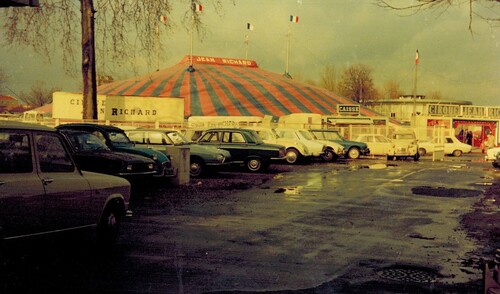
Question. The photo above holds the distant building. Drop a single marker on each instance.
(461, 116)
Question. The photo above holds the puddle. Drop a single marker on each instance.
(288, 190)
(445, 192)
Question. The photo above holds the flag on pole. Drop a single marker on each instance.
(417, 60)
(294, 18)
(163, 19)
(197, 7)
(249, 26)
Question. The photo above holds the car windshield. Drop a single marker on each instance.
(177, 138)
(87, 142)
(118, 138)
(307, 135)
(328, 135)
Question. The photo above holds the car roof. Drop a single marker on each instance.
(105, 128)
(25, 126)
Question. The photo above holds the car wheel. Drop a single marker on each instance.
(495, 164)
(457, 153)
(254, 164)
(108, 227)
(292, 156)
(328, 156)
(353, 153)
(196, 168)
(422, 151)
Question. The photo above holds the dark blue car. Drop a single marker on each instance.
(353, 149)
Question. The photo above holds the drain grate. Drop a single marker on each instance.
(408, 275)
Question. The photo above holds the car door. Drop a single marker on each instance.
(22, 194)
(67, 193)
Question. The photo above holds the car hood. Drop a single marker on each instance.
(145, 152)
(116, 155)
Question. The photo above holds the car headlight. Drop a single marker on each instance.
(130, 167)
(220, 158)
(151, 166)
(155, 157)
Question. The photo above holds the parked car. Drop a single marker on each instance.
(92, 154)
(116, 139)
(245, 146)
(353, 149)
(328, 151)
(405, 145)
(201, 159)
(452, 146)
(378, 144)
(296, 150)
(42, 191)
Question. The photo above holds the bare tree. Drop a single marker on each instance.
(329, 78)
(392, 90)
(38, 95)
(3, 80)
(488, 8)
(434, 95)
(356, 83)
(123, 28)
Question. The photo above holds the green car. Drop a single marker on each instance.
(116, 139)
(353, 149)
(245, 146)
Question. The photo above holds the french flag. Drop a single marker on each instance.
(197, 7)
(294, 18)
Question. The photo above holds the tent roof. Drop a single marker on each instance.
(230, 87)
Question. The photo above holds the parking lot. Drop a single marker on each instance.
(353, 226)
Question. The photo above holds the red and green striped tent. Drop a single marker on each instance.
(216, 86)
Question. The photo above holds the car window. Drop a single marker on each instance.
(264, 135)
(449, 140)
(381, 139)
(237, 138)
(15, 153)
(52, 156)
(117, 137)
(176, 138)
(99, 135)
(226, 137)
(210, 137)
(136, 137)
(307, 135)
(156, 138)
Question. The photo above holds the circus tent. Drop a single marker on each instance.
(215, 86)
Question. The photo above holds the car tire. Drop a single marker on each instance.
(422, 151)
(353, 153)
(457, 153)
(109, 225)
(495, 164)
(196, 167)
(328, 156)
(254, 164)
(292, 156)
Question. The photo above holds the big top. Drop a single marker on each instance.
(216, 86)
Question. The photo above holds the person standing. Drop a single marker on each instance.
(469, 138)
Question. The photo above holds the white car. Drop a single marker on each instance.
(378, 144)
(405, 145)
(296, 150)
(492, 154)
(452, 146)
(314, 148)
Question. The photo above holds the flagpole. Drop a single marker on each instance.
(157, 27)
(414, 114)
(288, 50)
(246, 46)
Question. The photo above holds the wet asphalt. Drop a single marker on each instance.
(360, 226)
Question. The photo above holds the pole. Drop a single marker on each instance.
(157, 27)
(414, 114)
(246, 46)
(287, 51)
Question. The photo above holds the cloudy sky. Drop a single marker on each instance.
(458, 64)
